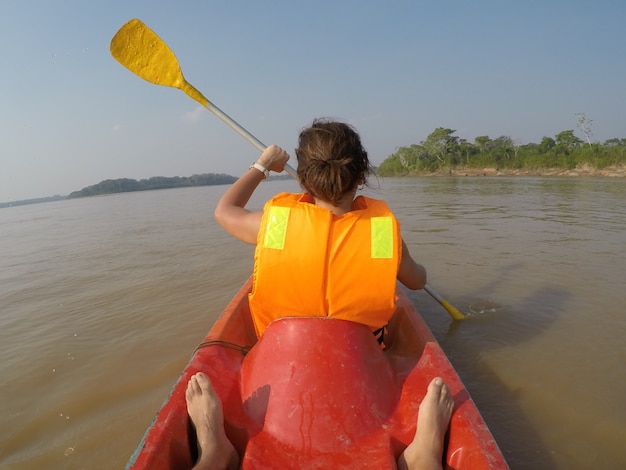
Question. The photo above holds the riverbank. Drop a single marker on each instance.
(615, 171)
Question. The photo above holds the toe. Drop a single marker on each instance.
(203, 381)
(436, 386)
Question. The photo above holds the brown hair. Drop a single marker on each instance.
(331, 160)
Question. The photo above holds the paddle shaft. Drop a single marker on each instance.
(245, 134)
(193, 93)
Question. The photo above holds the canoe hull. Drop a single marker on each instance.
(318, 393)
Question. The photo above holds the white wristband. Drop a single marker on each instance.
(261, 168)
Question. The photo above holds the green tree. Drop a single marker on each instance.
(482, 142)
(546, 144)
(502, 149)
(407, 156)
(615, 142)
(466, 151)
(391, 166)
(567, 140)
(441, 144)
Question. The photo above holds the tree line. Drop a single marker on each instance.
(442, 150)
(122, 185)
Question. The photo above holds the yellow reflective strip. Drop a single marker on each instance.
(382, 237)
(276, 227)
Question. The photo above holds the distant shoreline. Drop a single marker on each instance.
(585, 171)
(616, 171)
(38, 200)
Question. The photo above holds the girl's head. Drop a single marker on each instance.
(331, 160)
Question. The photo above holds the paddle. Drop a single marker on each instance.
(141, 51)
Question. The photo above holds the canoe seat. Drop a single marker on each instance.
(318, 390)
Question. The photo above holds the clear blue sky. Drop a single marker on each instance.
(71, 116)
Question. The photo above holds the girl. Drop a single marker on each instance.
(335, 251)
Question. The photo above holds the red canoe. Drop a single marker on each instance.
(317, 393)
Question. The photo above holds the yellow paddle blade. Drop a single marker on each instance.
(141, 51)
(454, 313)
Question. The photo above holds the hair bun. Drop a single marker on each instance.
(331, 160)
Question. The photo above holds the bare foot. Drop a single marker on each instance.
(205, 410)
(433, 418)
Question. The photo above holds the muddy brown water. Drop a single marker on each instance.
(103, 300)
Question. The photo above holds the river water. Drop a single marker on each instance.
(103, 300)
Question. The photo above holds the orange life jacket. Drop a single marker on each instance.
(310, 262)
